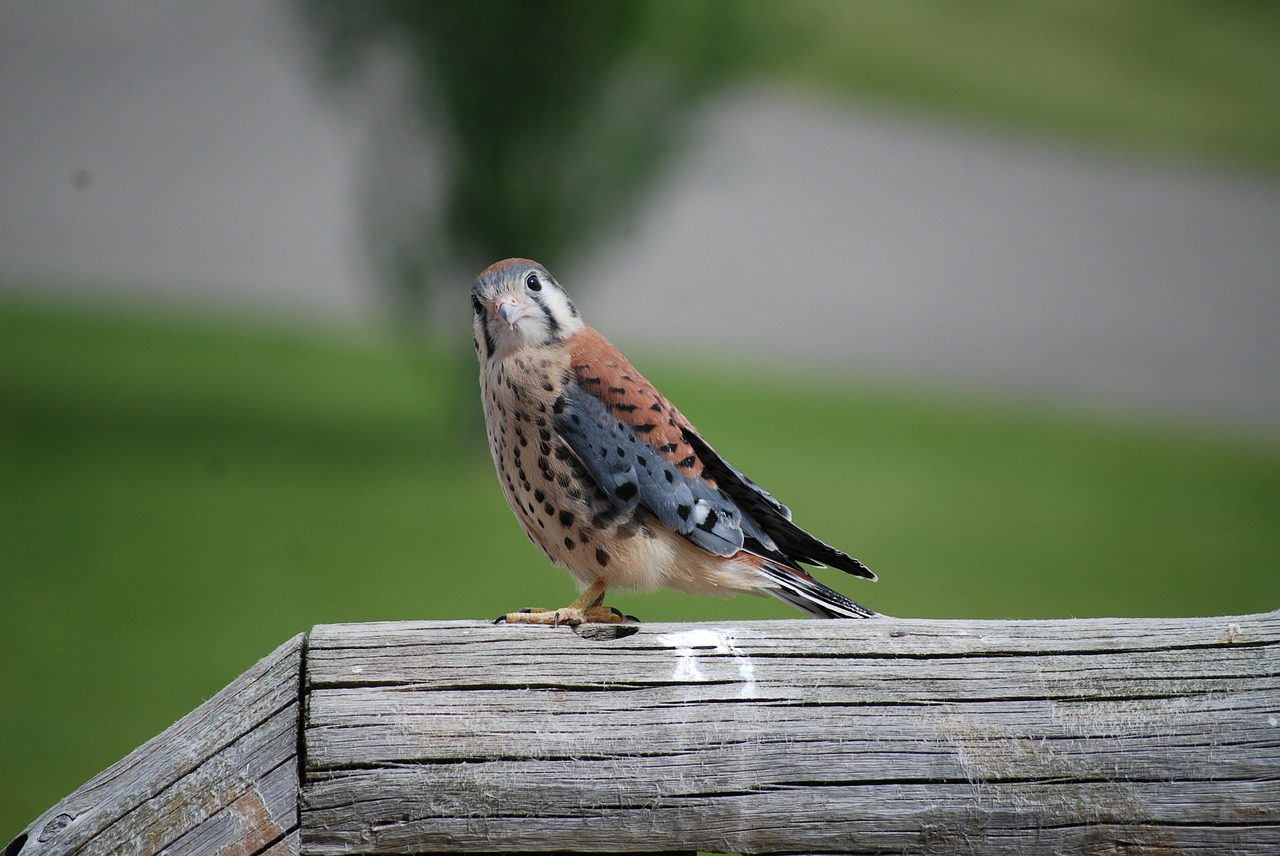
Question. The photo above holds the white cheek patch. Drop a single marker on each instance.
(557, 305)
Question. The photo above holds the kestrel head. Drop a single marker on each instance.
(518, 304)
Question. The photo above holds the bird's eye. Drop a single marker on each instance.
(532, 282)
(475, 305)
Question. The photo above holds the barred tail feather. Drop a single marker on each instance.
(808, 595)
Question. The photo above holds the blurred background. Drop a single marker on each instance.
(987, 292)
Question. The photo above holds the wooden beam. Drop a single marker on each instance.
(222, 780)
(888, 735)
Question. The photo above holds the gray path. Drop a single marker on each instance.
(179, 149)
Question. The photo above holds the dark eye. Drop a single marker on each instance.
(532, 282)
(475, 305)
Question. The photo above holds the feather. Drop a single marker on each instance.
(805, 593)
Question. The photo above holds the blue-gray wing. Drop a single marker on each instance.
(643, 453)
(631, 472)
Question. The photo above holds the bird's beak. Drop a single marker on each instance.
(510, 310)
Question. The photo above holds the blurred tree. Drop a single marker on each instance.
(517, 127)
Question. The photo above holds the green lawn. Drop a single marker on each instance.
(1184, 77)
(179, 495)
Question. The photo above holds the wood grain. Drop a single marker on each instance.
(222, 780)
(1099, 736)
(888, 735)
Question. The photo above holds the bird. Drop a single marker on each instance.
(610, 481)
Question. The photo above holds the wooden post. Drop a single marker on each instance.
(888, 735)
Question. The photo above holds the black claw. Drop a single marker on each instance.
(623, 616)
(568, 622)
(502, 619)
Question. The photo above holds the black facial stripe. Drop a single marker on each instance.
(553, 326)
(489, 346)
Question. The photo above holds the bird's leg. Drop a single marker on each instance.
(589, 608)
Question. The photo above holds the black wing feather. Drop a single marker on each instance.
(774, 518)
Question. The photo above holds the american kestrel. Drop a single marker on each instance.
(609, 480)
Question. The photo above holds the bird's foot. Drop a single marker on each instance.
(570, 616)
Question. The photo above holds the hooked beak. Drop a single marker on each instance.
(510, 310)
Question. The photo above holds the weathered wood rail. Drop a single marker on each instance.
(890, 735)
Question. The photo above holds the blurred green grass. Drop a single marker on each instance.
(1194, 78)
(179, 494)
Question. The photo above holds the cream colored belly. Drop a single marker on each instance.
(664, 559)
